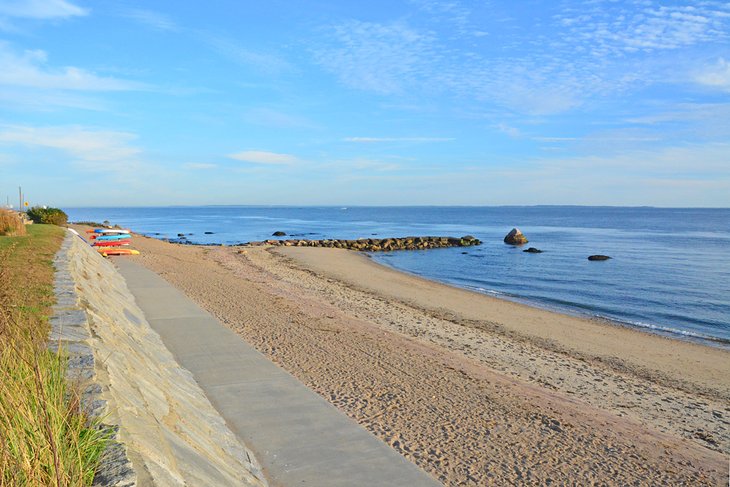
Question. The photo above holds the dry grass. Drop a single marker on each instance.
(11, 224)
(45, 438)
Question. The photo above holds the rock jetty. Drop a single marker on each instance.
(378, 244)
(515, 237)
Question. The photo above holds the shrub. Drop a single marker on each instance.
(53, 216)
(11, 224)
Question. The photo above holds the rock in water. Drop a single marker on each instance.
(533, 250)
(598, 257)
(515, 237)
(278, 234)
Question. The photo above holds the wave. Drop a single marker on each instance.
(669, 330)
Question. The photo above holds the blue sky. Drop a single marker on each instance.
(379, 102)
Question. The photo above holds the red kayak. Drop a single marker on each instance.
(112, 243)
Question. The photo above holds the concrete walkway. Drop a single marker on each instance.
(298, 437)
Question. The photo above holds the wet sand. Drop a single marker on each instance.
(473, 389)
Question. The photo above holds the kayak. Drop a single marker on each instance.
(111, 243)
(105, 251)
(112, 237)
(108, 236)
(111, 230)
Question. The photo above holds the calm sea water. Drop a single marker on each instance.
(669, 272)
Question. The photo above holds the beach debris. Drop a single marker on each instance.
(598, 257)
(379, 244)
(278, 233)
(515, 237)
(533, 250)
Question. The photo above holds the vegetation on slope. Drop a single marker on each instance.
(45, 439)
(11, 224)
(53, 216)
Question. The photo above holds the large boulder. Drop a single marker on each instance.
(515, 237)
(278, 234)
(533, 250)
(598, 257)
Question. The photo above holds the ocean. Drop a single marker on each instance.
(669, 271)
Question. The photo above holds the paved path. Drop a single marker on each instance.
(298, 437)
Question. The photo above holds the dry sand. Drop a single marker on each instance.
(473, 389)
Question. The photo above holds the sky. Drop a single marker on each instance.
(412, 102)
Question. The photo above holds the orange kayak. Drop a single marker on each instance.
(115, 251)
(112, 243)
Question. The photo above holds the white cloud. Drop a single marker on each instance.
(368, 140)
(509, 130)
(367, 165)
(384, 58)
(264, 62)
(555, 139)
(30, 69)
(99, 150)
(199, 165)
(550, 65)
(47, 100)
(716, 76)
(40, 9)
(152, 19)
(263, 157)
(669, 162)
(645, 26)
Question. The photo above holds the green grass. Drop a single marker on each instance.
(45, 438)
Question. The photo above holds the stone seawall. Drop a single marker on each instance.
(378, 244)
(168, 432)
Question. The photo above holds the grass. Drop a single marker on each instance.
(11, 224)
(45, 437)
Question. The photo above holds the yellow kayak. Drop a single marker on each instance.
(116, 251)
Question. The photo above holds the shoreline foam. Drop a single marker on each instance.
(575, 311)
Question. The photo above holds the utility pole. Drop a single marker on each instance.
(20, 198)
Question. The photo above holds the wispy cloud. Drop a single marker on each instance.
(509, 130)
(199, 165)
(96, 150)
(368, 165)
(30, 69)
(264, 157)
(150, 18)
(716, 75)
(40, 9)
(598, 50)
(370, 140)
(713, 113)
(611, 29)
(710, 160)
(262, 61)
(555, 139)
(384, 58)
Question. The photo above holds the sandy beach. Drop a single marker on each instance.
(473, 389)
